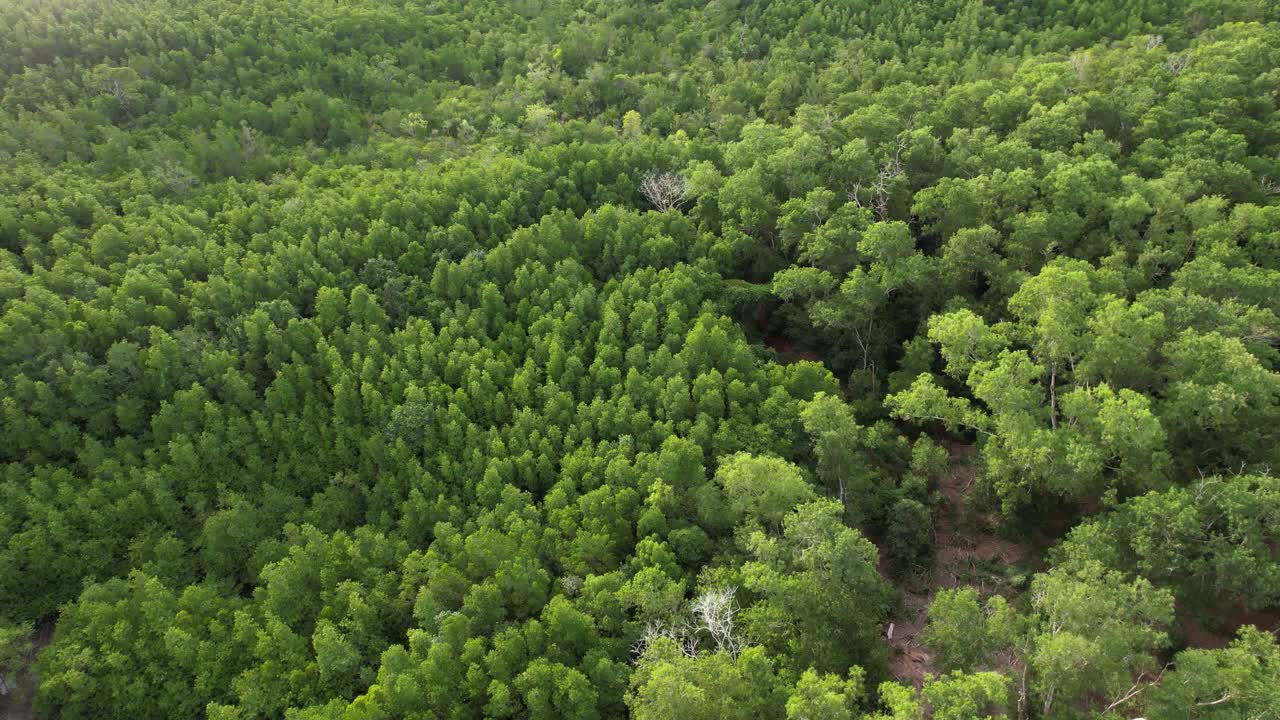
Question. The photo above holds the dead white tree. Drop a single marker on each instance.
(665, 190)
(656, 630)
(248, 139)
(1080, 62)
(714, 611)
(571, 584)
(178, 179)
(890, 169)
(1177, 63)
(115, 87)
(712, 614)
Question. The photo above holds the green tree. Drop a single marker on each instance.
(1236, 681)
(957, 630)
(821, 599)
(1090, 632)
(825, 697)
(762, 489)
(670, 684)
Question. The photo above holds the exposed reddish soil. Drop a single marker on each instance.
(961, 545)
(786, 347)
(1196, 635)
(964, 550)
(778, 342)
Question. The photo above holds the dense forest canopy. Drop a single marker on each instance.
(542, 359)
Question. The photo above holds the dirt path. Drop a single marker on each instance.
(965, 552)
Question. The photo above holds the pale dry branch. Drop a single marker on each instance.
(715, 611)
(665, 190)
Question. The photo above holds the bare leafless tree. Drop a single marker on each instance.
(656, 630)
(711, 614)
(1154, 41)
(1269, 186)
(890, 169)
(1080, 62)
(714, 611)
(248, 139)
(571, 584)
(177, 178)
(115, 87)
(665, 190)
(1177, 63)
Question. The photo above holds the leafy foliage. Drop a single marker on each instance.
(548, 359)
